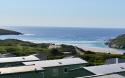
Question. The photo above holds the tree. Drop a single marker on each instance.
(2, 50)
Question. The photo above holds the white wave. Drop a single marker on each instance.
(28, 34)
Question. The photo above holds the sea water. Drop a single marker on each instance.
(94, 37)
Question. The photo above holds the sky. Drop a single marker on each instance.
(63, 13)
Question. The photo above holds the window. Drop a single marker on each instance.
(65, 70)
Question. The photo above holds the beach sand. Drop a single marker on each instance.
(101, 50)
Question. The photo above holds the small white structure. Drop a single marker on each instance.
(51, 46)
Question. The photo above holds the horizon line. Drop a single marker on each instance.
(60, 26)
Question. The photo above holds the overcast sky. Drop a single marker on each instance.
(67, 13)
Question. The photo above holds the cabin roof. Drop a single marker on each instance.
(106, 69)
(110, 76)
(19, 69)
(104, 76)
(18, 59)
(59, 62)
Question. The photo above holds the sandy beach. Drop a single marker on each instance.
(102, 50)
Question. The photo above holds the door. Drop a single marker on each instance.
(55, 73)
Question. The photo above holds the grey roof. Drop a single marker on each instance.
(18, 59)
(19, 69)
(59, 62)
(110, 76)
(106, 69)
(105, 76)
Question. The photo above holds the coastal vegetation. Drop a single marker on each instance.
(98, 58)
(23, 48)
(9, 32)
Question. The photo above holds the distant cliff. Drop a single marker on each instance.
(9, 32)
(118, 42)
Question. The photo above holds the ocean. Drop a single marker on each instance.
(93, 37)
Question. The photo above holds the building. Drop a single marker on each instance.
(16, 61)
(114, 61)
(31, 67)
(22, 72)
(62, 68)
(106, 71)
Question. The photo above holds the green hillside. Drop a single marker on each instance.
(118, 42)
(8, 32)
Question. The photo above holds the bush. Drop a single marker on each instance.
(55, 52)
(2, 50)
